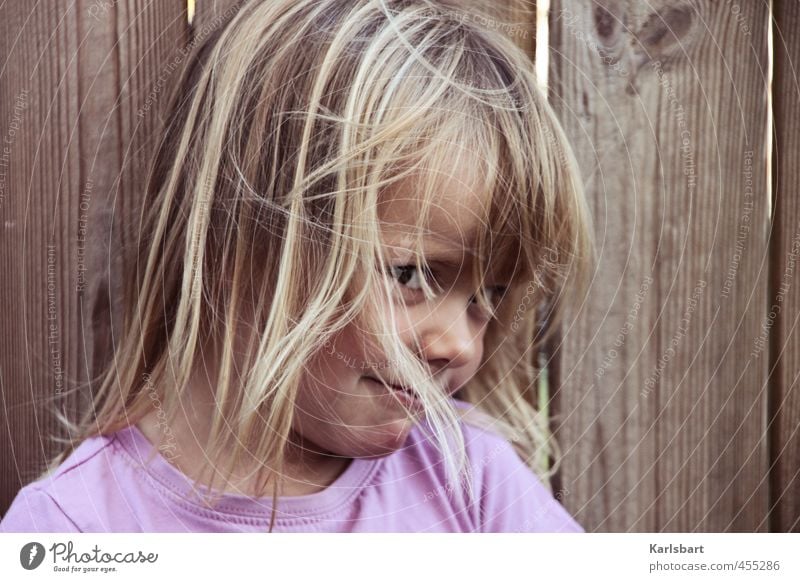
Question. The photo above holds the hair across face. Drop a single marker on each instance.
(340, 407)
(345, 190)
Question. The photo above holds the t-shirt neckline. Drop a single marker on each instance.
(346, 486)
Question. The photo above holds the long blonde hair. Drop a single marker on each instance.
(286, 125)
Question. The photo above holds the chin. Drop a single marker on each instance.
(384, 440)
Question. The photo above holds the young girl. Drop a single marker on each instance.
(352, 213)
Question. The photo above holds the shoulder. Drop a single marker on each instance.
(35, 510)
(51, 504)
(511, 497)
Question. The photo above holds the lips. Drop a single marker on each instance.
(394, 386)
(406, 395)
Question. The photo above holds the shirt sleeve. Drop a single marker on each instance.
(34, 510)
(513, 499)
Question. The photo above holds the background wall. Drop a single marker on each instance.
(674, 391)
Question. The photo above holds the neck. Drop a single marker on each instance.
(306, 469)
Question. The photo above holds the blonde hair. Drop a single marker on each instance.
(285, 127)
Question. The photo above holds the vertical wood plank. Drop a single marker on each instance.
(662, 384)
(785, 340)
(79, 96)
(521, 19)
(209, 14)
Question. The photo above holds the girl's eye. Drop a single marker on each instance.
(408, 277)
(404, 273)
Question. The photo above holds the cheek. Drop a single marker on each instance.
(356, 423)
(334, 373)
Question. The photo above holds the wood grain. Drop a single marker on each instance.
(209, 14)
(676, 397)
(519, 23)
(80, 92)
(661, 394)
(784, 410)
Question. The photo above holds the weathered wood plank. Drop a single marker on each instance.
(785, 339)
(76, 80)
(520, 24)
(210, 14)
(662, 388)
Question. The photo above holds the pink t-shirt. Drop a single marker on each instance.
(107, 485)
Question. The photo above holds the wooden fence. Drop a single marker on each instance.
(674, 387)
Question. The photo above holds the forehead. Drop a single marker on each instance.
(455, 217)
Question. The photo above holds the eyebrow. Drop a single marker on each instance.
(448, 254)
(447, 264)
(504, 265)
(439, 254)
(447, 258)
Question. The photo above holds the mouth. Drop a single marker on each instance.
(408, 394)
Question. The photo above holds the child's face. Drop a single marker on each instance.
(339, 409)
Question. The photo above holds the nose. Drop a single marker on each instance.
(449, 336)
